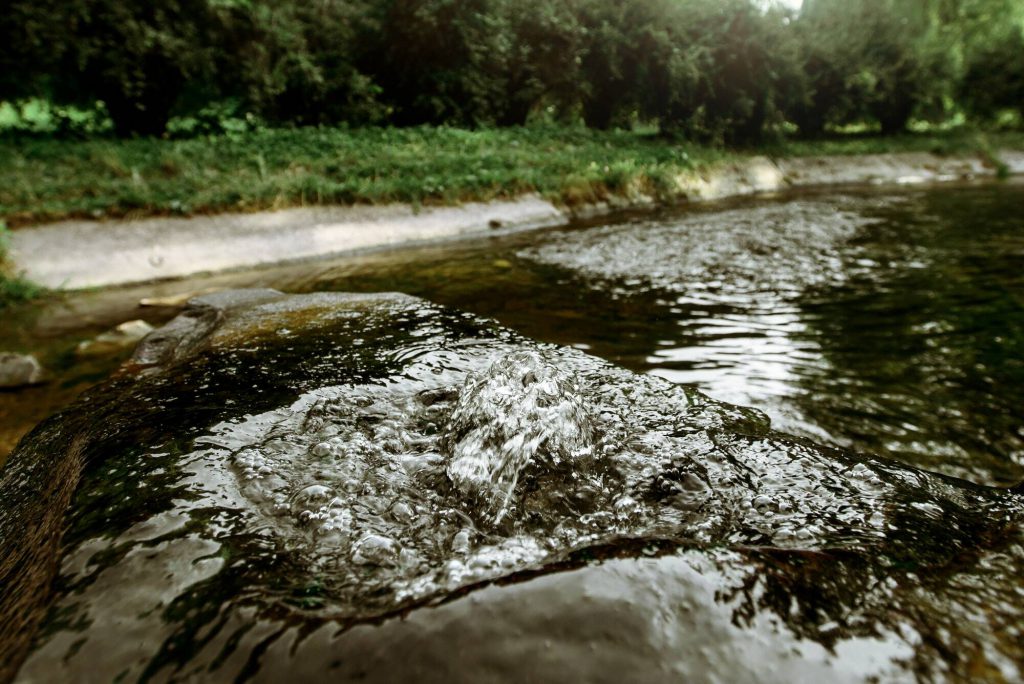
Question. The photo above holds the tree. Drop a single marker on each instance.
(471, 62)
(731, 70)
(611, 62)
(295, 62)
(870, 59)
(990, 34)
(30, 43)
(136, 57)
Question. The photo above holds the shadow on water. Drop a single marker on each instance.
(270, 507)
(291, 498)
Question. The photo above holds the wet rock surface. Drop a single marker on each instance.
(296, 485)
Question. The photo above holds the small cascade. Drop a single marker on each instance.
(522, 411)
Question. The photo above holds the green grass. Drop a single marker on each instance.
(13, 288)
(44, 179)
(962, 141)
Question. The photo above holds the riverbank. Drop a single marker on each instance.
(46, 180)
(84, 254)
(328, 191)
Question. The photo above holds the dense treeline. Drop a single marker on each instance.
(720, 71)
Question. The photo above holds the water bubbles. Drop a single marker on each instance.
(311, 498)
(522, 410)
(764, 504)
(492, 457)
(626, 507)
(460, 542)
(402, 512)
(252, 464)
(374, 549)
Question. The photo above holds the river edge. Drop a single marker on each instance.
(73, 255)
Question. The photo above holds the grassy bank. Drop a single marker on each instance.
(44, 179)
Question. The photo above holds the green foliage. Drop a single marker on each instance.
(870, 59)
(48, 179)
(732, 72)
(138, 58)
(992, 35)
(471, 62)
(37, 117)
(714, 72)
(617, 42)
(732, 77)
(294, 63)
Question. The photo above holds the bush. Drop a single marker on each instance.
(613, 59)
(294, 63)
(471, 62)
(721, 71)
(138, 58)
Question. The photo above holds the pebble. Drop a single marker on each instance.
(19, 370)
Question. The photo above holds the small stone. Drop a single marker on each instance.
(19, 370)
(125, 335)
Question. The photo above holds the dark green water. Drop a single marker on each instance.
(381, 489)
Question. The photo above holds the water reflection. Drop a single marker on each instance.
(292, 500)
(890, 324)
(744, 353)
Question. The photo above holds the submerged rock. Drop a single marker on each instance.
(274, 479)
(123, 336)
(522, 411)
(19, 370)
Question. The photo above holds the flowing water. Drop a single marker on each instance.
(889, 324)
(268, 506)
(326, 463)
